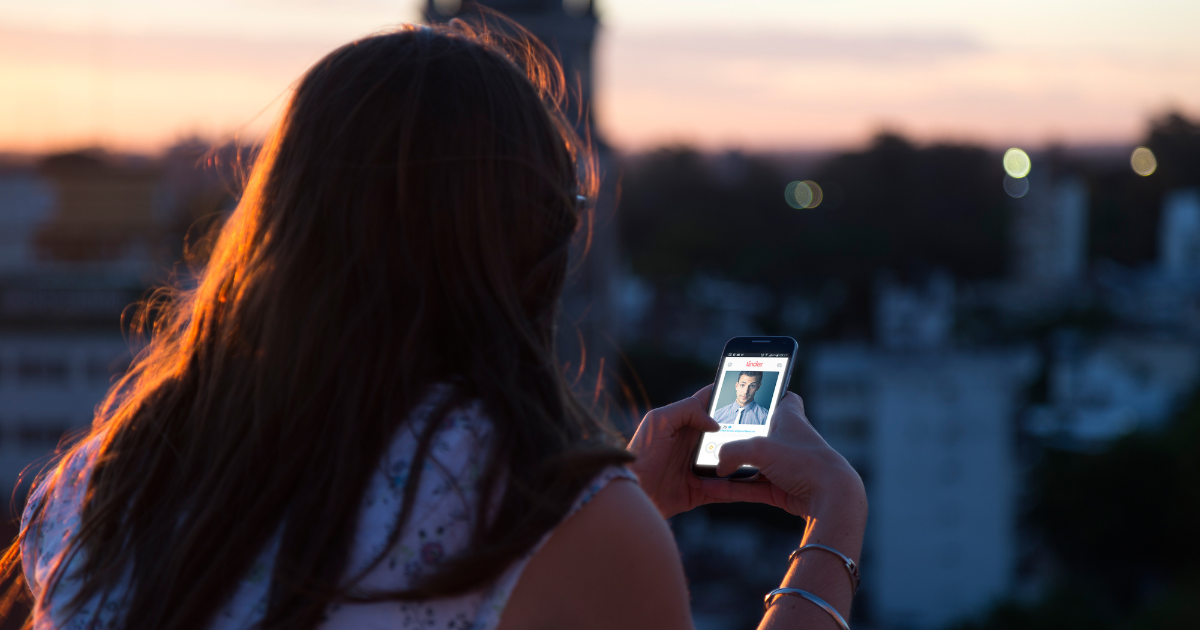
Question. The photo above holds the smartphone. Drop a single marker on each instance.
(752, 377)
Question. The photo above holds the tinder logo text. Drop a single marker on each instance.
(754, 364)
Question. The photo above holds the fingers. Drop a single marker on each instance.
(791, 424)
(793, 403)
(723, 491)
(704, 396)
(689, 413)
(756, 451)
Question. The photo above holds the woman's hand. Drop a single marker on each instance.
(664, 445)
(801, 473)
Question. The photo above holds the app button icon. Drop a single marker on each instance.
(712, 446)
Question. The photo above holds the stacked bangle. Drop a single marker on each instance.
(770, 599)
(851, 570)
(851, 567)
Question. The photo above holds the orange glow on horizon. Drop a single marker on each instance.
(756, 89)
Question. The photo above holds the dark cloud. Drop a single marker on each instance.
(872, 49)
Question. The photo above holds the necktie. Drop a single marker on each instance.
(738, 419)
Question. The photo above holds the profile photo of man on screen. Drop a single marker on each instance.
(743, 409)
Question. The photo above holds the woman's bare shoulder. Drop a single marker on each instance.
(613, 564)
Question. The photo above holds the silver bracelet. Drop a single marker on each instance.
(851, 568)
(770, 599)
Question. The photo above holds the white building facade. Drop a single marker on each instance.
(61, 305)
(50, 384)
(1050, 232)
(934, 435)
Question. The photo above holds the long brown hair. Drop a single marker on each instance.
(407, 223)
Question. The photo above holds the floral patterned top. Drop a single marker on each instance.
(439, 528)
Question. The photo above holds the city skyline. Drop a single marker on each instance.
(760, 75)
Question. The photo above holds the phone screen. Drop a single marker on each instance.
(747, 391)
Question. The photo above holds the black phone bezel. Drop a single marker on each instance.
(747, 345)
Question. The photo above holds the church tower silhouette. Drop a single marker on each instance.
(589, 318)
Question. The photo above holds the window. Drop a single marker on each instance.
(857, 429)
(101, 370)
(41, 433)
(43, 370)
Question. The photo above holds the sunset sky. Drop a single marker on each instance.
(757, 74)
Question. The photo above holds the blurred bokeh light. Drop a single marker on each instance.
(798, 195)
(1016, 186)
(1143, 161)
(802, 195)
(817, 194)
(1017, 163)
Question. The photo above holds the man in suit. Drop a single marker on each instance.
(743, 409)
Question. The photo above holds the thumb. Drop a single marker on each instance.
(689, 413)
(755, 451)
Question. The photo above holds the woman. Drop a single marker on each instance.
(356, 418)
